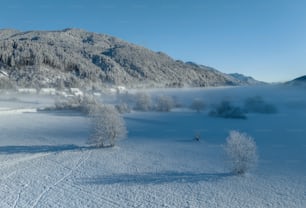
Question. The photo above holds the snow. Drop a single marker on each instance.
(47, 91)
(76, 92)
(45, 161)
(27, 90)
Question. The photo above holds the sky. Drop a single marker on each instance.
(265, 39)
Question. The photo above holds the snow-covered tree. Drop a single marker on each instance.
(84, 103)
(142, 101)
(87, 103)
(226, 110)
(164, 103)
(7, 84)
(258, 105)
(107, 126)
(241, 151)
(123, 107)
(197, 105)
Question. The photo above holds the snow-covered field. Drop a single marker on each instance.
(45, 161)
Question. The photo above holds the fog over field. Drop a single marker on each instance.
(46, 160)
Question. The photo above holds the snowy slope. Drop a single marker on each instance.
(45, 161)
(74, 57)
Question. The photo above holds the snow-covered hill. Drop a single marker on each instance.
(77, 58)
(245, 79)
(298, 82)
(45, 161)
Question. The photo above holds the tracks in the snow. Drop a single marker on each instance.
(82, 159)
(51, 180)
(28, 179)
(15, 162)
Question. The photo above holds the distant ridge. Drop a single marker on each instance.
(300, 81)
(77, 58)
(246, 79)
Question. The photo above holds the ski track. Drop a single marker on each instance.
(94, 196)
(17, 199)
(13, 163)
(60, 185)
(18, 195)
(79, 163)
(32, 166)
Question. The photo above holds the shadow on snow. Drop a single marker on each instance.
(155, 178)
(38, 149)
(63, 112)
(145, 121)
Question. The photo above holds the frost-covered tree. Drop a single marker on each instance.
(6, 84)
(87, 103)
(164, 103)
(241, 151)
(84, 104)
(258, 105)
(142, 101)
(60, 85)
(226, 110)
(107, 126)
(197, 105)
(123, 107)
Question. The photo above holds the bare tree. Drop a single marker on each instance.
(107, 126)
(241, 151)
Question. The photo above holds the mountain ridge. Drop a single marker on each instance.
(77, 58)
(297, 82)
(246, 79)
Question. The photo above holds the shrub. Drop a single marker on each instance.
(78, 103)
(68, 103)
(226, 110)
(107, 126)
(197, 105)
(258, 105)
(241, 151)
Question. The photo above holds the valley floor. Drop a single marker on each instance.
(45, 162)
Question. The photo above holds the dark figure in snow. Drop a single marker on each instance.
(197, 137)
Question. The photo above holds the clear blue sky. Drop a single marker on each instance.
(265, 38)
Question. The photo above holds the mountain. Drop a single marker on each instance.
(300, 81)
(245, 79)
(77, 58)
(240, 79)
